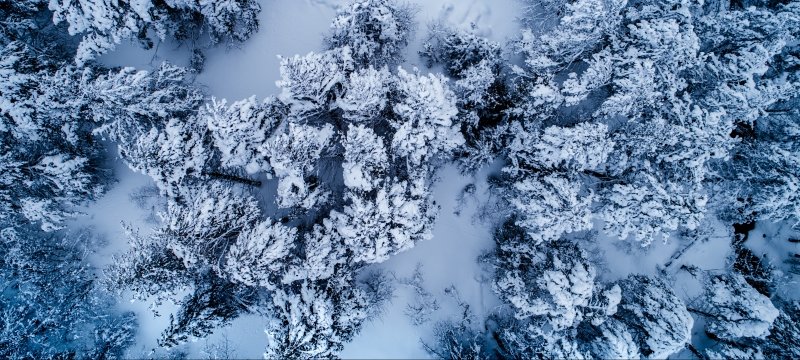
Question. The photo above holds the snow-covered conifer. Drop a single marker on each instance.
(459, 50)
(615, 342)
(260, 254)
(241, 130)
(376, 30)
(323, 253)
(293, 156)
(206, 221)
(105, 24)
(365, 159)
(427, 126)
(555, 285)
(311, 83)
(655, 316)
(651, 209)
(737, 310)
(551, 206)
(367, 94)
(314, 320)
(396, 218)
(585, 146)
(583, 27)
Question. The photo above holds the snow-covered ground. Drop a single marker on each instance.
(450, 258)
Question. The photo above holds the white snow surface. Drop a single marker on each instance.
(449, 258)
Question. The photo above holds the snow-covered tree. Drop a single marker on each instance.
(138, 100)
(651, 209)
(479, 92)
(551, 206)
(151, 116)
(213, 303)
(584, 25)
(194, 250)
(615, 342)
(459, 50)
(458, 341)
(149, 271)
(179, 150)
(294, 156)
(51, 305)
(426, 127)
(377, 31)
(323, 253)
(733, 351)
(399, 215)
(481, 88)
(783, 340)
(260, 253)
(737, 310)
(655, 316)
(585, 146)
(202, 226)
(367, 94)
(764, 171)
(51, 163)
(241, 130)
(552, 284)
(21, 19)
(365, 159)
(105, 24)
(315, 320)
(569, 150)
(196, 233)
(311, 83)
(659, 43)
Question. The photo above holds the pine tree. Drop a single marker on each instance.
(657, 318)
(51, 306)
(50, 159)
(737, 310)
(241, 130)
(315, 320)
(367, 95)
(396, 218)
(555, 286)
(106, 24)
(260, 254)
(651, 209)
(551, 206)
(365, 159)
(212, 305)
(377, 31)
(310, 84)
(584, 26)
(426, 127)
(294, 155)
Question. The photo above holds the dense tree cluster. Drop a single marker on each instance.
(105, 24)
(631, 120)
(54, 160)
(635, 119)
